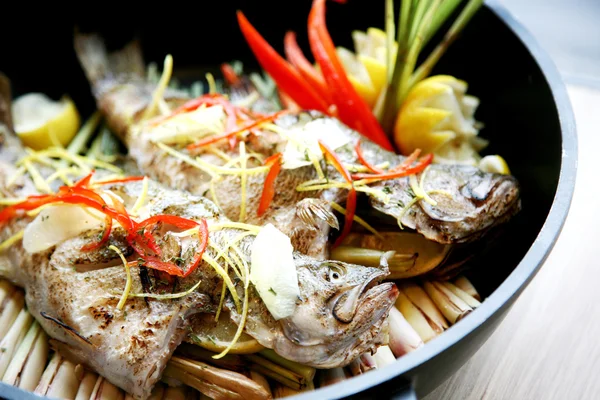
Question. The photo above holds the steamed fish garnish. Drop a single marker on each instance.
(182, 257)
(446, 203)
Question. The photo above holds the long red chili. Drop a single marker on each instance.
(236, 131)
(352, 108)
(83, 196)
(349, 217)
(284, 74)
(120, 180)
(295, 55)
(184, 224)
(407, 162)
(207, 99)
(417, 168)
(364, 161)
(334, 159)
(274, 164)
(351, 199)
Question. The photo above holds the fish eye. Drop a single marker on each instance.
(335, 273)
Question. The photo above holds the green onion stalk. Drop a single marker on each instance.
(418, 22)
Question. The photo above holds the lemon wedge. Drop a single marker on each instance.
(357, 75)
(371, 51)
(217, 335)
(41, 122)
(437, 117)
(494, 164)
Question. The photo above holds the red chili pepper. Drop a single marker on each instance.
(287, 102)
(121, 180)
(31, 203)
(364, 162)
(181, 223)
(227, 135)
(229, 74)
(351, 199)
(349, 218)
(107, 229)
(295, 56)
(207, 99)
(407, 162)
(419, 167)
(85, 181)
(337, 163)
(284, 74)
(352, 108)
(82, 196)
(274, 162)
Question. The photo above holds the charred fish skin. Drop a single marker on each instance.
(122, 95)
(74, 295)
(469, 202)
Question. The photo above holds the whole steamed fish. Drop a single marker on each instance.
(77, 295)
(451, 203)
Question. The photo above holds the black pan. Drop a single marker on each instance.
(524, 106)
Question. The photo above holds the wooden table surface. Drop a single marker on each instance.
(548, 347)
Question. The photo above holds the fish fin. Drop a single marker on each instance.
(312, 211)
(99, 65)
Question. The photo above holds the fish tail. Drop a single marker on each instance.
(10, 146)
(5, 102)
(117, 80)
(100, 66)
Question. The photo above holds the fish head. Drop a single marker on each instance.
(467, 202)
(341, 312)
(474, 202)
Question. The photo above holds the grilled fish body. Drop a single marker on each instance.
(74, 294)
(469, 202)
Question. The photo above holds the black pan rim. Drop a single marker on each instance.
(527, 268)
(514, 284)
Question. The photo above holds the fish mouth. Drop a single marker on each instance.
(376, 303)
(346, 305)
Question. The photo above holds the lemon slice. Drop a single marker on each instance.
(42, 122)
(437, 117)
(371, 51)
(494, 164)
(357, 75)
(217, 335)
